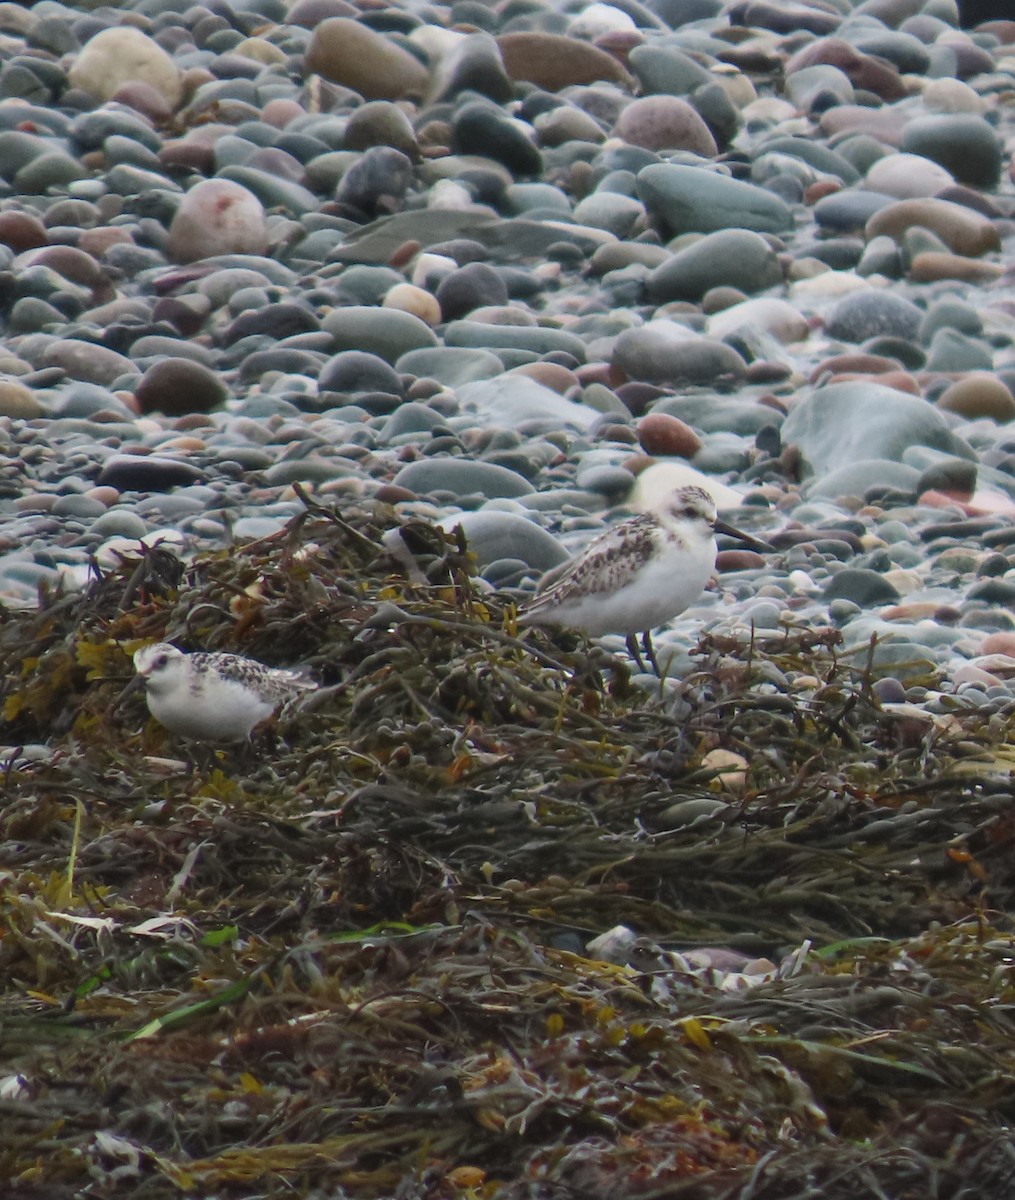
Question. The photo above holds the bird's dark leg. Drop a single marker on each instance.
(632, 649)
(650, 654)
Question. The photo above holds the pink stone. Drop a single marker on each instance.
(215, 217)
(665, 123)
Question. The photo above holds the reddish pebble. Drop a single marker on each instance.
(280, 111)
(390, 493)
(936, 499)
(901, 381)
(854, 364)
(1002, 642)
(552, 375)
(594, 372)
(145, 99)
(21, 230)
(404, 254)
(980, 504)
(821, 189)
(97, 241)
(738, 560)
(659, 433)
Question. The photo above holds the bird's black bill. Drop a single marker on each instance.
(752, 543)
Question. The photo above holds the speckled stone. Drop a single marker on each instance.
(217, 217)
(665, 123)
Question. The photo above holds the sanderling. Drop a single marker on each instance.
(639, 574)
(213, 697)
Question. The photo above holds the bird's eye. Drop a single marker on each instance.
(161, 661)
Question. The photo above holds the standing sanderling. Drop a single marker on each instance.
(213, 697)
(639, 574)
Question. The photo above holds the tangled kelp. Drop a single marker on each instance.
(356, 963)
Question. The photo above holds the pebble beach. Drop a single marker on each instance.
(524, 268)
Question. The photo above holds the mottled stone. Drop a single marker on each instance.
(216, 217)
(665, 123)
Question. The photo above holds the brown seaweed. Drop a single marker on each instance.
(354, 960)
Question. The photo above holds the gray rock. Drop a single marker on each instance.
(696, 199)
(730, 257)
(664, 352)
(857, 478)
(876, 313)
(962, 143)
(493, 535)
(720, 414)
(845, 423)
(461, 477)
(450, 365)
(510, 401)
(952, 351)
(386, 332)
(359, 371)
(862, 586)
(536, 338)
(666, 70)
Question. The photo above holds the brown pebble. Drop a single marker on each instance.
(738, 560)
(901, 381)
(819, 190)
(145, 99)
(719, 298)
(932, 265)
(854, 364)
(103, 494)
(97, 241)
(979, 394)
(552, 375)
(594, 372)
(390, 493)
(663, 434)
(21, 230)
(405, 253)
